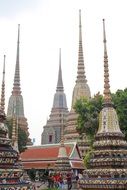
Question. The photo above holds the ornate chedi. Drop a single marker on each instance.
(52, 130)
(108, 163)
(62, 164)
(81, 90)
(10, 172)
(16, 98)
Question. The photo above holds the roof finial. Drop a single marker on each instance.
(2, 103)
(81, 70)
(80, 26)
(107, 95)
(60, 81)
(16, 86)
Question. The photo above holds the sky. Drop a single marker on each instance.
(46, 26)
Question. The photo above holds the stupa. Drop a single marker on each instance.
(11, 174)
(108, 163)
(62, 164)
(81, 90)
(16, 98)
(52, 130)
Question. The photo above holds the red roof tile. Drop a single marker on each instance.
(41, 157)
(43, 153)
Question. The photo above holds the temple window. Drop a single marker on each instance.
(50, 138)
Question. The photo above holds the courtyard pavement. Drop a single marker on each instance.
(44, 186)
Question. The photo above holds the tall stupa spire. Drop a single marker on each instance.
(107, 95)
(81, 70)
(2, 103)
(81, 88)
(107, 165)
(16, 85)
(60, 81)
(52, 130)
(108, 122)
(16, 98)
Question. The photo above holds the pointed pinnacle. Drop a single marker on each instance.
(81, 70)
(16, 85)
(60, 81)
(80, 26)
(107, 95)
(3, 89)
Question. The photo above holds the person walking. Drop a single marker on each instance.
(69, 181)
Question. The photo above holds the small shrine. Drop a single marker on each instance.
(62, 164)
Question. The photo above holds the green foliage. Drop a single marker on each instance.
(22, 140)
(120, 102)
(22, 136)
(88, 112)
(88, 157)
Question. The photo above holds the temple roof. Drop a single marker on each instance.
(42, 156)
(43, 152)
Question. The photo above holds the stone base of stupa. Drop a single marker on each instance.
(103, 184)
(62, 165)
(19, 186)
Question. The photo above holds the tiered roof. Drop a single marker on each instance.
(45, 156)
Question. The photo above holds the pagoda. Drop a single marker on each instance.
(108, 163)
(81, 90)
(62, 164)
(52, 130)
(11, 174)
(16, 99)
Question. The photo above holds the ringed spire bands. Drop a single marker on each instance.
(107, 165)
(107, 94)
(16, 85)
(108, 116)
(16, 98)
(81, 88)
(2, 103)
(81, 77)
